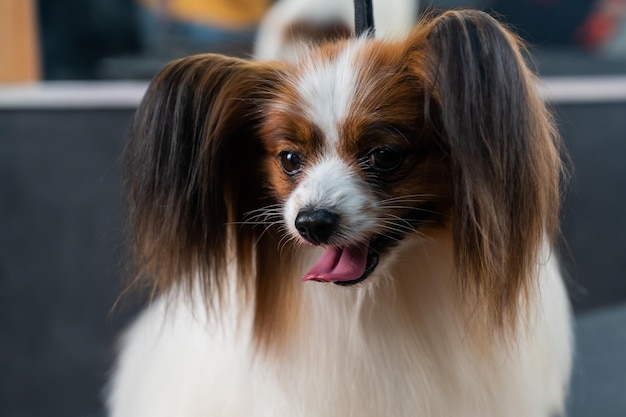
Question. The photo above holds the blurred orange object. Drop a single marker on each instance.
(602, 24)
(221, 13)
(19, 45)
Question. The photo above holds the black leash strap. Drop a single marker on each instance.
(363, 17)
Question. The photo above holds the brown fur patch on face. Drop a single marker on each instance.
(286, 126)
(390, 111)
(286, 130)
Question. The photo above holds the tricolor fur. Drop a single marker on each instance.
(421, 176)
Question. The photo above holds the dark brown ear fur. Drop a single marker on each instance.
(504, 154)
(192, 171)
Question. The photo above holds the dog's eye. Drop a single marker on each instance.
(385, 159)
(291, 162)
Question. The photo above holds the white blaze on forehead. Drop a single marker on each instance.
(328, 87)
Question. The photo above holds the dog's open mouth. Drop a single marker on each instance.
(349, 265)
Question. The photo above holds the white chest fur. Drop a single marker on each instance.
(384, 351)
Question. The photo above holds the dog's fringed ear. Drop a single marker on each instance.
(192, 168)
(503, 150)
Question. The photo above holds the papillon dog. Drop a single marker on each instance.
(364, 231)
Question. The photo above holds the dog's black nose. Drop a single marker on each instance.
(317, 225)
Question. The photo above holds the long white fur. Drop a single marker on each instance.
(394, 347)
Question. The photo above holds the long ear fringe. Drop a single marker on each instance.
(192, 150)
(504, 153)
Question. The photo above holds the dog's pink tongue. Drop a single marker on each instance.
(339, 264)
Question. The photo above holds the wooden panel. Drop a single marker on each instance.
(19, 46)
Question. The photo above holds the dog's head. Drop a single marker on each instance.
(357, 147)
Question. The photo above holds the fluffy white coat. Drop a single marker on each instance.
(395, 350)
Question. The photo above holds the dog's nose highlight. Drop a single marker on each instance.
(317, 225)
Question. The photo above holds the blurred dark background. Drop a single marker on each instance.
(61, 216)
(77, 35)
(122, 39)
